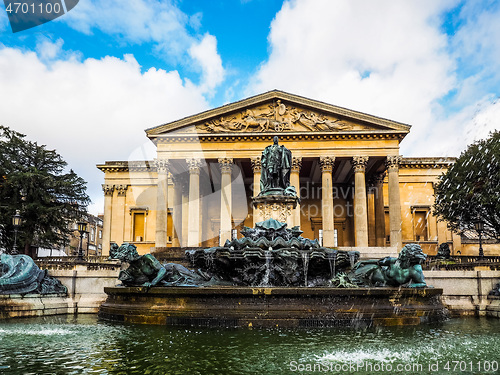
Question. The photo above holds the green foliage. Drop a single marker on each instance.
(33, 180)
(470, 189)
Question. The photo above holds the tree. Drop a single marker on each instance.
(470, 190)
(33, 181)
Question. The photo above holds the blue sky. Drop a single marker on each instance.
(90, 82)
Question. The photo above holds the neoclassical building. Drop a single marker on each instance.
(356, 189)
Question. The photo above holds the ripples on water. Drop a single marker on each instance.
(67, 345)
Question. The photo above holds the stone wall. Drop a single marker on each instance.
(32, 305)
(86, 284)
(466, 292)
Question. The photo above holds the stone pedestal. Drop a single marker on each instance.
(278, 207)
(273, 307)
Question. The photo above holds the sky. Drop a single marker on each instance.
(88, 83)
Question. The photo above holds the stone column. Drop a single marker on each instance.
(119, 224)
(326, 164)
(360, 209)
(379, 209)
(392, 164)
(177, 214)
(257, 169)
(295, 181)
(372, 239)
(194, 202)
(185, 214)
(226, 166)
(108, 211)
(162, 167)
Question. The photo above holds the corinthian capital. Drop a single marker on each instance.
(296, 164)
(162, 165)
(108, 189)
(122, 190)
(392, 163)
(359, 163)
(226, 165)
(194, 165)
(256, 164)
(378, 178)
(326, 163)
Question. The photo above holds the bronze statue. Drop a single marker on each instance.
(146, 270)
(276, 167)
(495, 291)
(444, 251)
(20, 275)
(143, 270)
(405, 270)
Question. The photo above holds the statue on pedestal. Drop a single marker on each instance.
(276, 166)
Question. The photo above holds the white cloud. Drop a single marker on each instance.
(48, 50)
(476, 45)
(486, 119)
(386, 58)
(90, 111)
(152, 21)
(206, 56)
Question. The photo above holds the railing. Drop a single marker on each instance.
(65, 262)
(462, 262)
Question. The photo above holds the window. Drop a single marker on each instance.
(387, 225)
(420, 225)
(139, 218)
(138, 225)
(100, 234)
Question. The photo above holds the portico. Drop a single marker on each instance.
(208, 170)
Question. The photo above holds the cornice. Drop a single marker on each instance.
(251, 137)
(127, 166)
(427, 162)
(276, 95)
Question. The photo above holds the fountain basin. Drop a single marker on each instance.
(274, 306)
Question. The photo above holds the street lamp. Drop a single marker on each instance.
(16, 222)
(479, 227)
(82, 228)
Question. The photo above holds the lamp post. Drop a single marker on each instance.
(82, 228)
(479, 227)
(16, 222)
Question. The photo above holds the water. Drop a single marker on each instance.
(267, 269)
(83, 345)
(305, 263)
(332, 259)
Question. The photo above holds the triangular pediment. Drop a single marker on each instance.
(279, 112)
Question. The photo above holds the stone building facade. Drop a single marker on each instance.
(356, 189)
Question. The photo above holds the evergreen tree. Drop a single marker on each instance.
(470, 190)
(33, 181)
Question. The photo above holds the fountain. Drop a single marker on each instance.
(273, 277)
(271, 255)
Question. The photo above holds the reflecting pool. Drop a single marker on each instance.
(84, 345)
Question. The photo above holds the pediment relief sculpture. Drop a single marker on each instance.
(275, 117)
